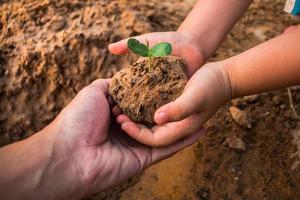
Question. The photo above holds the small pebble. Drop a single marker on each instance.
(235, 143)
(240, 117)
(251, 98)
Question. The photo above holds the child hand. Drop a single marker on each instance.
(183, 46)
(207, 90)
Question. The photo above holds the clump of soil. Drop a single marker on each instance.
(140, 90)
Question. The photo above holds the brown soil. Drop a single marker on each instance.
(49, 50)
(140, 90)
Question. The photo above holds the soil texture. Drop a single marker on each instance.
(141, 89)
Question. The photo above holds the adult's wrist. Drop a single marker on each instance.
(40, 167)
(23, 166)
(61, 175)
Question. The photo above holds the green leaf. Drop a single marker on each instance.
(161, 49)
(138, 48)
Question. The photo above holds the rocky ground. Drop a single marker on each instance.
(50, 49)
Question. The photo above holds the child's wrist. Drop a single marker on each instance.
(216, 83)
(227, 66)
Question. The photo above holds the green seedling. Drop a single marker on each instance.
(159, 50)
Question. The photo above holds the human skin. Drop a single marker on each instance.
(82, 152)
(200, 34)
(271, 65)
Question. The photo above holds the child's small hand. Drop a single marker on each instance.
(183, 46)
(206, 91)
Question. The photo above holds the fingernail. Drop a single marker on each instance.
(162, 117)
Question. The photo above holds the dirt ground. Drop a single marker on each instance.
(50, 49)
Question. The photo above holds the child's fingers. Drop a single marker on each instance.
(185, 105)
(119, 47)
(163, 152)
(139, 132)
(182, 47)
(116, 110)
(130, 128)
(172, 132)
(123, 118)
(166, 134)
(111, 102)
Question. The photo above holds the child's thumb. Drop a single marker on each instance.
(184, 106)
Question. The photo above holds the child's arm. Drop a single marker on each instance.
(271, 65)
(199, 35)
(211, 20)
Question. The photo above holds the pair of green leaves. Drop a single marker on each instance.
(159, 50)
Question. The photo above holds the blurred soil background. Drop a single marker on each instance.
(50, 49)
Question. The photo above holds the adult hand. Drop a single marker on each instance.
(183, 46)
